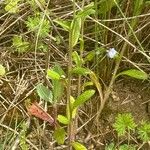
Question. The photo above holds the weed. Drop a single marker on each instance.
(20, 45)
(22, 137)
(144, 131)
(81, 44)
(124, 124)
(35, 24)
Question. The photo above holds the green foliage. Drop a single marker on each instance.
(58, 39)
(53, 75)
(147, 2)
(105, 6)
(96, 82)
(83, 98)
(64, 24)
(59, 135)
(75, 31)
(58, 85)
(22, 137)
(42, 47)
(126, 147)
(62, 119)
(78, 146)
(57, 68)
(137, 8)
(75, 26)
(111, 146)
(86, 84)
(87, 10)
(134, 73)
(38, 24)
(124, 123)
(34, 5)
(1, 146)
(76, 58)
(98, 52)
(144, 131)
(2, 70)
(138, 5)
(19, 44)
(56, 74)
(90, 56)
(44, 93)
(77, 21)
(12, 6)
(73, 111)
(80, 71)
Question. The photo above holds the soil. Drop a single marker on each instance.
(131, 96)
(128, 96)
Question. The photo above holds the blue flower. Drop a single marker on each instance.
(111, 53)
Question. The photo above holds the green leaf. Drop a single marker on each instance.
(73, 110)
(90, 56)
(83, 98)
(58, 89)
(44, 93)
(138, 5)
(78, 146)
(20, 45)
(38, 25)
(12, 6)
(58, 85)
(87, 10)
(95, 80)
(62, 119)
(75, 30)
(105, 6)
(2, 70)
(77, 59)
(80, 71)
(137, 8)
(59, 70)
(64, 24)
(86, 84)
(144, 131)
(123, 123)
(53, 75)
(59, 135)
(134, 73)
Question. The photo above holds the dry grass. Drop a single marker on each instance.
(26, 70)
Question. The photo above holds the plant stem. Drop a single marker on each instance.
(108, 90)
(70, 50)
(70, 138)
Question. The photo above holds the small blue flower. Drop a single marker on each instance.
(111, 53)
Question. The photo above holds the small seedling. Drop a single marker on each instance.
(124, 123)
